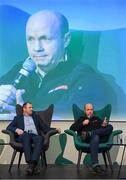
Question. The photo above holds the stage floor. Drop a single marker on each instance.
(60, 172)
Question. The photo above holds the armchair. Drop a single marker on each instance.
(46, 116)
(104, 147)
(2, 143)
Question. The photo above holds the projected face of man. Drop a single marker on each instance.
(46, 44)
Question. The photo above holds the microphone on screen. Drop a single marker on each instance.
(27, 68)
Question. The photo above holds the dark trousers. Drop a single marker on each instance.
(32, 146)
(97, 136)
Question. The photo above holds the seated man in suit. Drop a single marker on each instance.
(28, 130)
(92, 129)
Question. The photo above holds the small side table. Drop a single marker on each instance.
(123, 144)
(123, 153)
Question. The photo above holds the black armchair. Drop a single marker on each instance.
(46, 116)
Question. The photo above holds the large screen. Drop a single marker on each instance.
(63, 53)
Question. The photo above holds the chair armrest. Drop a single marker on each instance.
(70, 132)
(11, 134)
(114, 133)
(47, 137)
(117, 132)
(51, 132)
(76, 137)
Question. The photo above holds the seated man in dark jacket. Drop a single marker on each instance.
(28, 130)
(92, 129)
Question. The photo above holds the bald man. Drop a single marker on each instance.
(92, 130)
(56, 78)
(47, 37)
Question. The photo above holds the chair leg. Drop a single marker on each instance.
(109, 160)
(120, 166)
(79, 158)
(105, 160)
(12, 159)
(43, 158)
(20, 156)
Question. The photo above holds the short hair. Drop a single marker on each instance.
(87, 104)
(64, 25)
(63, 22)
(25, 104)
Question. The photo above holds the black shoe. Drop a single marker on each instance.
(29, 170)
(102, 169)
(97, 169)
(36, 171)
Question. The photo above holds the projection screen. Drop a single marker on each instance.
(93, 67)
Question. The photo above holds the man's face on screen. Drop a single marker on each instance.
(45, 42)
